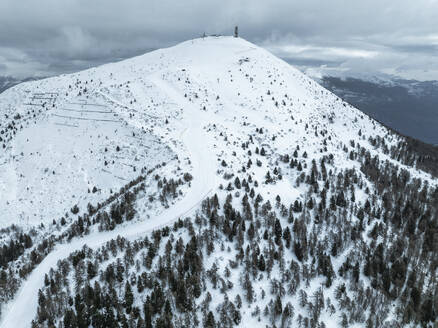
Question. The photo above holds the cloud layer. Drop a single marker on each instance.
(52, 36)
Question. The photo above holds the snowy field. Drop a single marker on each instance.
(78, 153)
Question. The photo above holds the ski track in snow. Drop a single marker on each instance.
(22, 310)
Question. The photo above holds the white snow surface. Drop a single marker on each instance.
(199, 100)
(23, 309)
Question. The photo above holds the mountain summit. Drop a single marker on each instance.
(213, 181)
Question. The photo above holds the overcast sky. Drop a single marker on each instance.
(398, 37)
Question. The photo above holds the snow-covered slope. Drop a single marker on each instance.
(56, 152)
(23, 309)
(206, 106)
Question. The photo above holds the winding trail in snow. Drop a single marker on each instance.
(23, 308)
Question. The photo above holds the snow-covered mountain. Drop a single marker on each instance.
(299, 217)
(7, 82)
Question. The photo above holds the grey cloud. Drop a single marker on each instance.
(54, 36)
(297, 61)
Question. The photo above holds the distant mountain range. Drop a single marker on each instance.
(7, 82)
(408, 106)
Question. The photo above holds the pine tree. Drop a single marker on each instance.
(129, 298)
(278, 307)
(248, 288)
(261, 263)
(277, 231)
(210, 323)
(148, 313)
